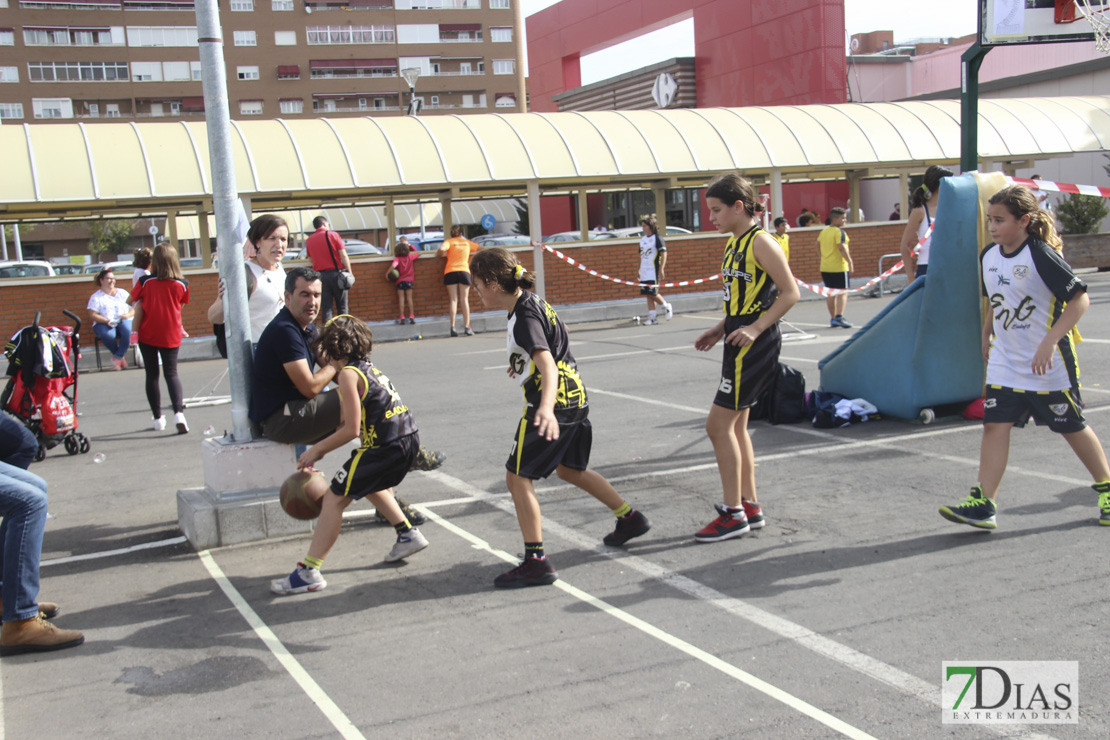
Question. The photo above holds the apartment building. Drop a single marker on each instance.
(138, 59)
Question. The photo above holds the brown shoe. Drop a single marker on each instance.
(47, 610)
(35, 635)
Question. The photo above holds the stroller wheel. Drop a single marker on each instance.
(83, 443)
(41, 454)
(70, 443)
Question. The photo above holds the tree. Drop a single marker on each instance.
(522, 226)
(110, 236)
(1082, 214)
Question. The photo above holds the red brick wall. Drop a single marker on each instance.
(375, 299)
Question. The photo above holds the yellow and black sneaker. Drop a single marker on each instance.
(976, 510)
(1103, 490)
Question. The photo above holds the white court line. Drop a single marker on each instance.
(896, 678)
(649, 629)
(109, 553)
(577, 342)
(329, 708)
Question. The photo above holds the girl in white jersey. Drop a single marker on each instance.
(1032, 372)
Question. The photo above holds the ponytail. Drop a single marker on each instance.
(497, 266)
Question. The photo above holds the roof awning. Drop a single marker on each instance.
(289, 70)
(192, 104)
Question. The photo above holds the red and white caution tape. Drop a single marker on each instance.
(1061, 187)
(827, 292)
(595, 273)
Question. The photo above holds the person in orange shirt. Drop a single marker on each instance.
(456, 276)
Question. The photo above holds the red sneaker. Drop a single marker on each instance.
(754, 513)
(727, 525)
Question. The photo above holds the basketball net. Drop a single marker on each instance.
(1099, 20)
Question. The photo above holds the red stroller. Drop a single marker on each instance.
(42, 368)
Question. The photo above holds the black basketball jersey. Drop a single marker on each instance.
(533, 325)
(747, 288)
(385, 417)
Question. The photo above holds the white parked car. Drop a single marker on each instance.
(27, 268)
(119, 267)
(636, 232)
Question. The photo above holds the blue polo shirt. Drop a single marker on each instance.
(282, 341)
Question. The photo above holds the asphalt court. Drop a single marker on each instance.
(830, 622)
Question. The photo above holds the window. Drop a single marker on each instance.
(379, 103)
(111, 110)
(175, 108)
(292, 106)
(245, 38)
(194, 68)
(77, 71)
(250, 107)
(317, 35)
(11, 110)
(504, 66)
(281, 5)
(505, 101)
(176, 72)
(9, 74)
(427, 33)
(7, 37)
(285, 38)
(501, 34)
(146, 71)
(464, 68)
(362, 103)
(242, 6)
(52, 107)
(247, 73)
(435, 101)
(498, 4)
(94, 109)
(162, 36)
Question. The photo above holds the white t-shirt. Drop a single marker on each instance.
(651, 249)
(1028, 291)
(922, 229)
(267, 299)
(110, 307)
(139, 272)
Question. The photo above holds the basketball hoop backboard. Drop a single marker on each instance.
(1004, 22)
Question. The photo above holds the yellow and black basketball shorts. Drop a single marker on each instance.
(534, 457)
(373, 469)
(746, 372)
(1060, 411)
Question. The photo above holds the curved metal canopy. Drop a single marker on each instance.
(80, 170)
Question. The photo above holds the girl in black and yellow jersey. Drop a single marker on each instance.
(554, 434)
(758, 291)
(373, 412)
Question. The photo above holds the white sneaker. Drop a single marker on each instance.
(670, 311)
(179, 420)
(159, 423)
(650, 322)
(409, 543)
(301, 581)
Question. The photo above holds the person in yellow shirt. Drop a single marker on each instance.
(456, 276)
(836, 264)
(782, 226)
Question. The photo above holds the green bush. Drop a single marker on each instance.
(1082, 214)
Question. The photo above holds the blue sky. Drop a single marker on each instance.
(935, 18)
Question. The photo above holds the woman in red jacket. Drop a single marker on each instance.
(160, 296)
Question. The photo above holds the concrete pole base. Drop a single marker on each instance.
(239, 501)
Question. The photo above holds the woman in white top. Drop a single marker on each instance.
(269, 236)
(923, 211)
(111, 317)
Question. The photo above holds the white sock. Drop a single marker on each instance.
(651, 314)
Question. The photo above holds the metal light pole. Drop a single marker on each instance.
(411, 75)
(225, 201)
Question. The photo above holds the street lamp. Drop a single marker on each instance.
(411, 75)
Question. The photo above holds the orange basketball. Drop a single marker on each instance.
(302, 494)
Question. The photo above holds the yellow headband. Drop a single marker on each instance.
(340, 316)
(518, 271)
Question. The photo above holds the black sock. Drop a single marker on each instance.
(533, 550)
(403, 526)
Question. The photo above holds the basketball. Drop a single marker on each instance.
(392, 275)
(302, 493)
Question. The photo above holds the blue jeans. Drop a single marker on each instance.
(17, 443)
(23, 506)
(115, 340)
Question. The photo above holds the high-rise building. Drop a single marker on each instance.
(138, 59)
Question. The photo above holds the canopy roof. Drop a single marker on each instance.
(82, 170)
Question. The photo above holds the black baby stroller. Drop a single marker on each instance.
(42, 368)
